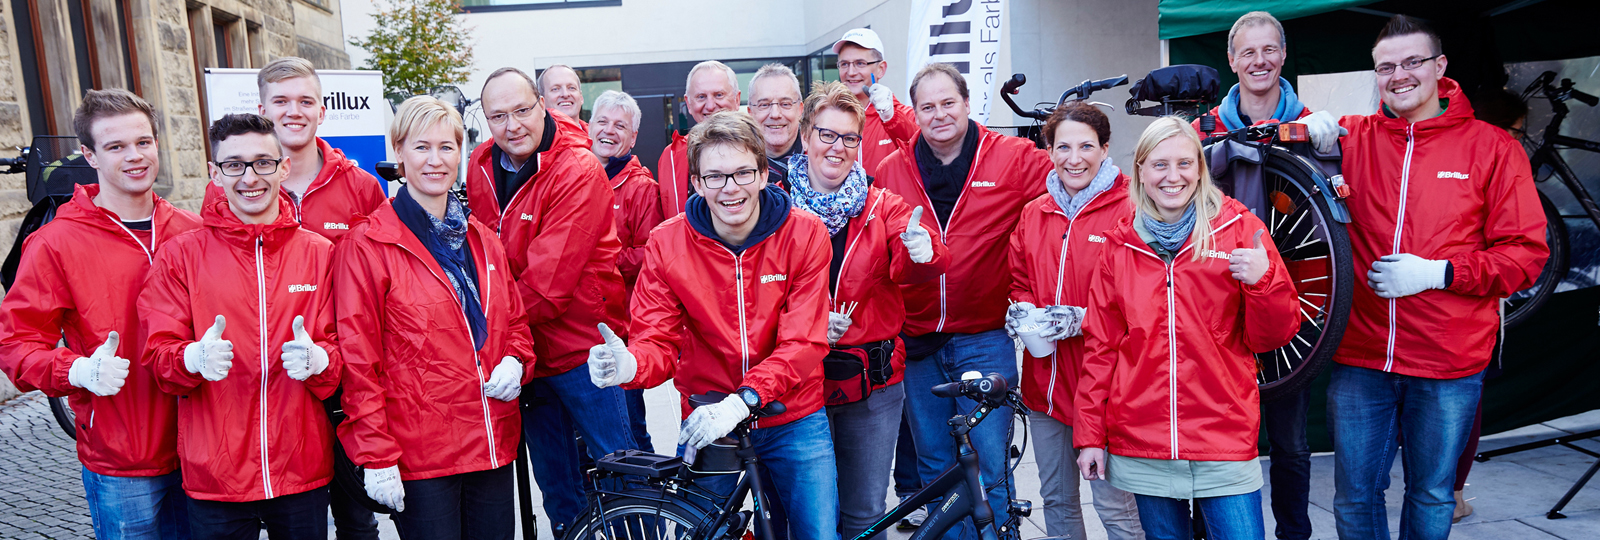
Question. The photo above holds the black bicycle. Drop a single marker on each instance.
(1275, 171)
(644, 496)
(1545, 154)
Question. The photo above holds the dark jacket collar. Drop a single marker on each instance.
(775, 206)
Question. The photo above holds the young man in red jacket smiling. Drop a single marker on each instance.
(1445, 221)
(733, 298)
(77, 282)
(239, 321)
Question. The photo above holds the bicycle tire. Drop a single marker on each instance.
(65, 417)
(635, 518)
(1318, 255)
(1521, 305)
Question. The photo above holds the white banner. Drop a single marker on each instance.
(355, 121)
(965, 34)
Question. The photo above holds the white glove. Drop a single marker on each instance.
(302, 357)
(610, 363)
(212, 356)
(1248, 265)
(384, 487)
(883, 100)
(103, 372)
(505, 384)
(838, 324)
(1065, 322)
(711, 422)
(1324, 130)
(1017, 313)
(1404, 274)
(918, 244)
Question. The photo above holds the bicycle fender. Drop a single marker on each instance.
(1324, 187)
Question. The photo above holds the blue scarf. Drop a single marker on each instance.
(1171, 236)
(446, 241)
(1071, 205)
(1289, 106)
(835, 208)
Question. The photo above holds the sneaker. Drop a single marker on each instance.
(914, 520)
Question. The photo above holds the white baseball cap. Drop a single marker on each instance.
(864, 37)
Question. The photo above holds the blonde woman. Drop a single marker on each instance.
(1185, 294)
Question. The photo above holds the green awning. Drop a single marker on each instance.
(1183, 18)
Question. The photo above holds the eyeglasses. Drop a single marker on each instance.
(500, 118)
(262, 167)
(858, 64)
(829, 136)
(1409, 64)
(742, 177)
(764, 105)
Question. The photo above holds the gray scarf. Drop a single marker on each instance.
(1071, 205)
(1171, 236)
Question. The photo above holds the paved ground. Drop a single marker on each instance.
(41, 495)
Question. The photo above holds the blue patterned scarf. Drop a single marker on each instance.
(835, 208)
(1071, 205)
(1171, 236)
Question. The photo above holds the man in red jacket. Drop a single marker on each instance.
(561, 89)
(711, 88)
(77, 283)
(1445, 215)
(748, 278)
(541, 189)
(328, 190)
(863, 68)
(257, 447)
(776, 104)
(976, 182)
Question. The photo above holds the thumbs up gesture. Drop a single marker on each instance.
(1249, 264)
(302, 357)
(103, 373)
(918, 244)
(610, 363)
(212, 356)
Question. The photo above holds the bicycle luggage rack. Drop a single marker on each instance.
(639, 463)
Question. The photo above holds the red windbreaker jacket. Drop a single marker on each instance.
(1453, 188)
(637, 205)
(413, 384)
(1053, 258)
(1170, 371)
(879, 138)
(757, 319)
(79, 279)
(1007, 172)
(673, 168)
(256, 434)
(340, 193)
(561, 242)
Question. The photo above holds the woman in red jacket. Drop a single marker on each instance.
(878, 244)
(1186, 292)
(1054, 248)
(438, 348)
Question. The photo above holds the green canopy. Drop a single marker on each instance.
(1184, 18)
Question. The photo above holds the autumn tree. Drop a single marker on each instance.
(418, 45)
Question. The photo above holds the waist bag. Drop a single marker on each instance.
(850, 372)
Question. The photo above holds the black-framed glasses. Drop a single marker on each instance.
(742, 177)
(858, 64)
(262, 167)
(828, 136)
(765, 105)
(1409, 64)
(500, 118)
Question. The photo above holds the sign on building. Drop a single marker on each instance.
(354, 98)
(965, 34)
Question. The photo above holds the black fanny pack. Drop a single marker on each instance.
(850, 372)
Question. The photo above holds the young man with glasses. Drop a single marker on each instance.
(239, 321)
(542, 190)
(1445, 221)
(733, 298)
(775, 102)
(711, 88)
(863, 69)
(76, 284)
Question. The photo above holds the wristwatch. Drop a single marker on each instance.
(750, 397)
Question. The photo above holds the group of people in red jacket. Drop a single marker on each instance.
(836, 251)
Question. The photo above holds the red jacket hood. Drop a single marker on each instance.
(1457, 111)
(81, 209)
(216, 214)
(333, 164)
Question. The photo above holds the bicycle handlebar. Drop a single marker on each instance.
(1091, 86)
(991, 388)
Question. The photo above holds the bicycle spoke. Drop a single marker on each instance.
(1319, 278)
(1320, 312)
(1285, 358)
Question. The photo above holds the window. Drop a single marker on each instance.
(94, 53)
(483, 6)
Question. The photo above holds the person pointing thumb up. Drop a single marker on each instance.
(211, 356)
(301, 356)
(1249, 264)
(918, 243)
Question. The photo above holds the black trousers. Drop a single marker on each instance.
(302, 516)
(475, 505)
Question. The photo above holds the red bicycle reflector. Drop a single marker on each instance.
(1293, 133)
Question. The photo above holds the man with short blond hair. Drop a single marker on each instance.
(711, 87)
(562, 90)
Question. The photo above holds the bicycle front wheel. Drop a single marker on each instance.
(65, 417)
(1521, 305)
(631, 518)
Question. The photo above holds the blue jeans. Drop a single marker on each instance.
(1234, 517)
(1370, 412)
(1285, 422)
(798, 457)
(984, 352)
(302, 516)
(475, 505)
(636, 420)
(137, 507)
(553, 407)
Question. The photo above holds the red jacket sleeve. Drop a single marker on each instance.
(573, 223)
(519, 340)
(1271, 306)
(1104, 329)
(1513, 229)
(657, 326)
(369, 192)
(903, 127)
(361, 281)
(324, 384)
(802, 338)
(31, 318)
(164, 306)
(1021, 286)
(901, 269)
(644, 213)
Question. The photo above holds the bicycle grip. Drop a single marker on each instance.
(1016, 81)
(1104, 84)
(1585, 98)
(948, 390)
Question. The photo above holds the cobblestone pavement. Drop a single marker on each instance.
(41, 483)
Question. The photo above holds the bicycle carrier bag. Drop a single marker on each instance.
(1183, 82)
(849, 373)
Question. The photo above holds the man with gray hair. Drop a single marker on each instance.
(775, 103)
(863, 69)
(561, 89)
(711, 87)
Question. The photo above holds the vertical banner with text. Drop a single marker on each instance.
(354, 123)
(962, 33)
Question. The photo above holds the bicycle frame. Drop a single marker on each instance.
(1547, 155)
(952, 484)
